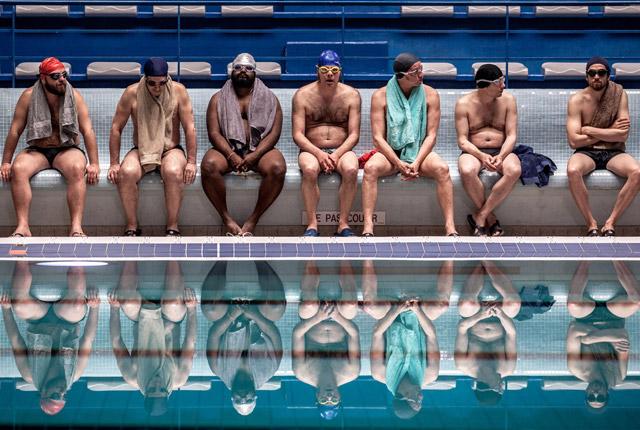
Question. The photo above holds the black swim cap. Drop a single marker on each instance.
(487, 72)
(403, 62)
(156, 66)
(598, 60)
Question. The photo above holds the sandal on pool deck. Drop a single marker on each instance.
(367, 235)
(17, 235)
(345, 232)
(311, 232)
(172, 232)
(132, 232)
(592, 233)
(610, 232)
(496, 229)
(77, 234)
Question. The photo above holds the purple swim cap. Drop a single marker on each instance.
(329, 58)
(156, 66)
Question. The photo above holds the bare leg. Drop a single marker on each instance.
(348, 303)
(510, 174)
(73, 306)
(377, 166)
(309, 291)
(626, 166)
(213, 305)
(25, 306)
(172, 302)
(468, 304)
(274, 302)
(72, 164)
(127, 291)
(510, 298)
(469, 168)
(348, 170)
(434, 308)
(627, 304)
(172, 171)
(373, 306)
(23, 168)
(578, 166)
(130, 174)
(213, 168)
(273, 168)
(435, 168)
(578, 305)
(310, 168)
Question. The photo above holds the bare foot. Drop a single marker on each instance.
(232, 226)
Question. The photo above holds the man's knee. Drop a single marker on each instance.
(350, 173)
(310, 172)
(272, 311)
(468, 308)
(440, 171)
(75, 171)
(213, 312)
(276, 170)
(575, 172)
(307, 309)
(173, 174)
(634, 176)
(209, 168)
(512, 171)
(372, 171)
(376, 310)
(129, 173)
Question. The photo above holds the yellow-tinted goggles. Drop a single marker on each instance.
(326, 69)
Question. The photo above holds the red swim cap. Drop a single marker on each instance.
(50, 406)
(50, 65)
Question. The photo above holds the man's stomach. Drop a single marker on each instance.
(326, 136)
(487, 137)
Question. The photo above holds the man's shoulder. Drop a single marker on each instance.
(465, 99)
(348, 89)
(578, 97)
(305, 90)
(130, 90)
(380, 92)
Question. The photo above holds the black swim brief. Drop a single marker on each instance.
(600, 156)
(51, 153)
(491, 151)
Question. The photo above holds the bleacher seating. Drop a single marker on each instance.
(30, 70)
(171, 11)
(542, 115)
(367, 36)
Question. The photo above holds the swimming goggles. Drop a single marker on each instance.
(58, 75)
(245, 67)
(326, 69)
(497, 82)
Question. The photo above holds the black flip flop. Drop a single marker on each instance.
(496, 229)
(593, 233)
(172, 232)
(132, 232)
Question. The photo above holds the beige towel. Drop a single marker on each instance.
(606, 114)
(154, 127)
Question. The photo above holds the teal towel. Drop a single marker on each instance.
(405, 351)
(406, 120)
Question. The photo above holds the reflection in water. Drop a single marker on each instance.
(486, 340)
(597, 340)
(404, 347)
(156, 365)
(54, 355)
(325, 345)
(244, 347)
(439, 343)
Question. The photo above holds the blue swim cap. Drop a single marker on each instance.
(329, 412)
(329, 58)
(156, 66)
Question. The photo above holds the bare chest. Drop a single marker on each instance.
(483, 116)
(335, 112)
